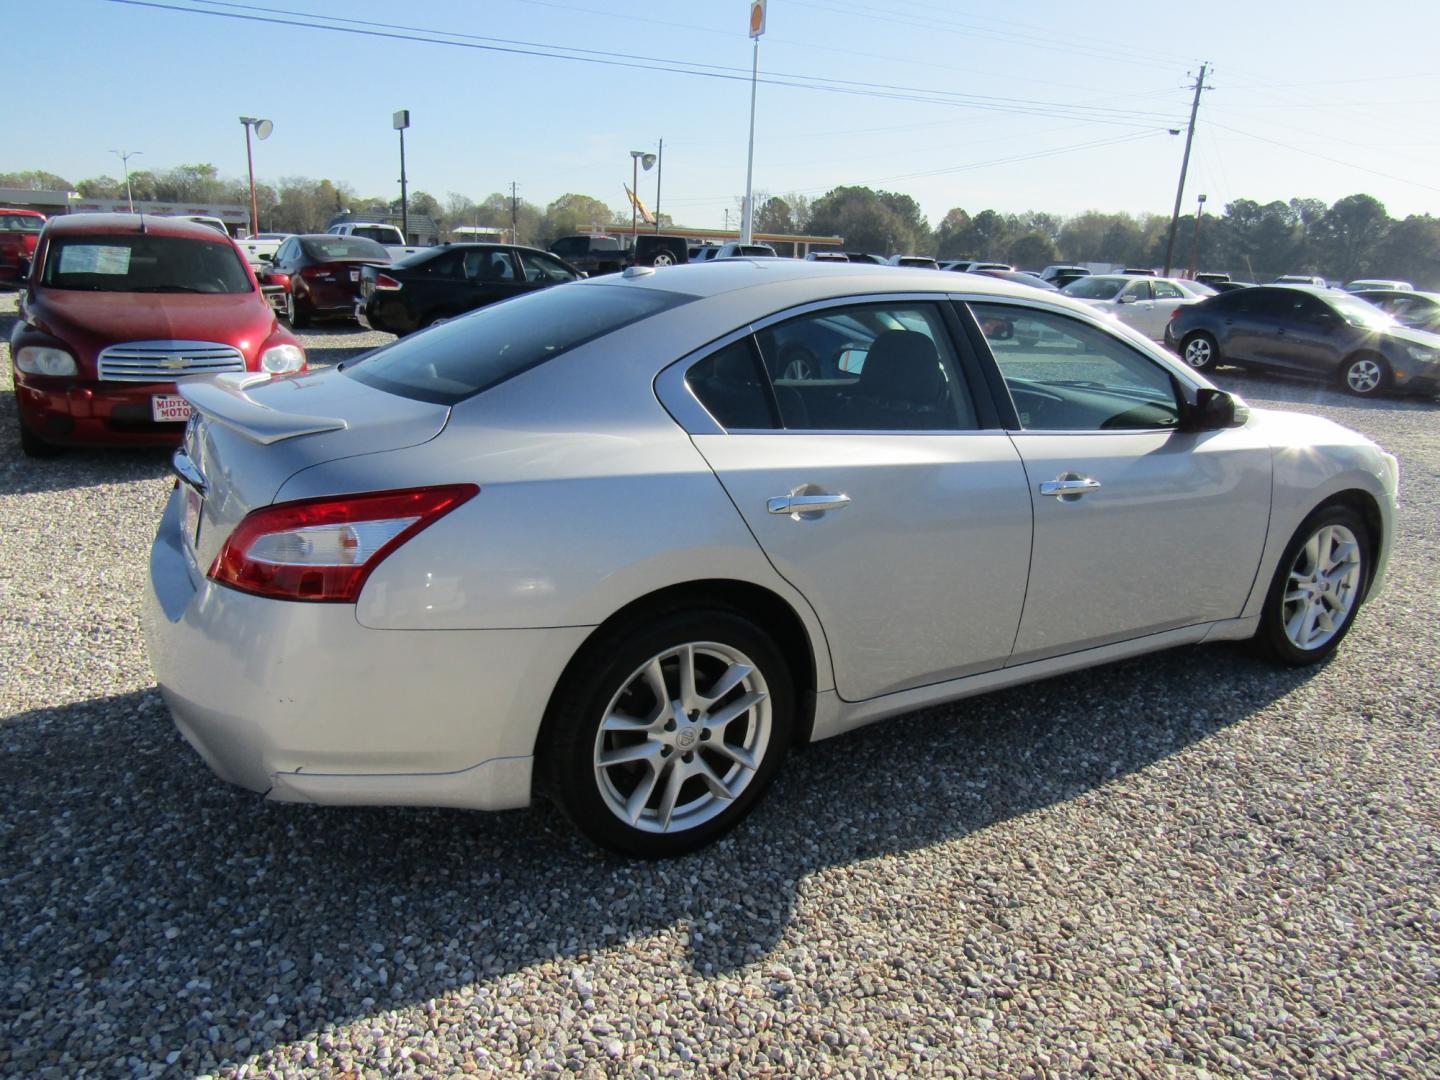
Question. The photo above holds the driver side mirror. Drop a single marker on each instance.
(1124, 298)
(1215, 410)
(266, 256)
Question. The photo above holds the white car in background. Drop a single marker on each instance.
(1138, 300)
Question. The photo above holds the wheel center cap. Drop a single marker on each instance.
(687, 737)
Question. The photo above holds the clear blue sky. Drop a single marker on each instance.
(1311, 99)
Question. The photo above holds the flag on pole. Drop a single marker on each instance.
(645, 214)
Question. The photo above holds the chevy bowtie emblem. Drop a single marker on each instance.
(176, 362)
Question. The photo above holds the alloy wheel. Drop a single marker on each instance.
(1198, 353)
(1323, 587)
(683, 737)
(1363, 376)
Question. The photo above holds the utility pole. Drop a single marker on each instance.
(514, 214)
(659, 170)
(1184, 166)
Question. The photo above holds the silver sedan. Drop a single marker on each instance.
(627, 541)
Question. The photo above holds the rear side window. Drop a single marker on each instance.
(462, 357)
(731, 386)
(21, 223)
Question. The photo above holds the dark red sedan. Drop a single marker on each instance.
(320, 275)
(19, 230)
(117, 308)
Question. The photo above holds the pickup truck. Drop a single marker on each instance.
(387, 235)
(265, 243)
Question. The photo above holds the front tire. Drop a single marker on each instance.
(665, 735)
(33, 446)
(1199, 351)
(1317, 589)
(1365, 375)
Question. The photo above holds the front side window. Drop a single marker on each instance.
(867, 367)
(543, 269)
(1138, 290)
(1067, 375)
(1166, 291)
(144, 263)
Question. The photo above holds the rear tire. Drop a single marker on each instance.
(637, 776)
(1365, 374)
(296, 314)
(1317, 589)
(1199, 351)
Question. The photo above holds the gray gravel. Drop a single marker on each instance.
(1183, 865)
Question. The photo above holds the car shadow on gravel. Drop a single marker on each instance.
(1277, 387)
(141, 893)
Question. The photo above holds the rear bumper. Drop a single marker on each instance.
(303, 703)
(71, 412)
(382, 312)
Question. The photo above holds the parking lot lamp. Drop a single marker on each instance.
(1195, 239)
(125, 156)
(400, 121)
(262, 131)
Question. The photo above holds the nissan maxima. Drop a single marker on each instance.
(627, 541)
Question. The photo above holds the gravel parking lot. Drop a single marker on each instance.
(1186, 864)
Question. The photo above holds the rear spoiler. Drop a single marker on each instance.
(223, 400)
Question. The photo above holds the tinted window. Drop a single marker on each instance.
(440, 263)
(1095, 288)
(1066, 375)
(331, 248)
(882, 367)
(464, 356)
(1268, 302)
(543, 269)
(730, 384)
(381, 234)
(136, 262)
(1137, 290)
(567, 246)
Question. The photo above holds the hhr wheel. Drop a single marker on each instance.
(664, 739)
(1365, 375)
(1317, 588)
(1199, 352)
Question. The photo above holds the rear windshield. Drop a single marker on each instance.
(331, 248)
(459, 358)
(20, 223)
(381, 234)
(1096, 288)
(139, 263)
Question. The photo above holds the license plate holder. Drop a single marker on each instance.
(354, 275)
(169, 408)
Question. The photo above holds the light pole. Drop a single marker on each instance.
(637, 158)
(262, 131)
(757, 27)
(125, 156)
(400, 121)
(1195, 239)
(659, 173)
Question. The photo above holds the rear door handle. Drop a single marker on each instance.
(1062, 488)
(806, 504)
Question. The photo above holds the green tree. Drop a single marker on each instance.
(1411, 251)
(774, 217)
(35, 180)
(1034, 249)
(1351, 235)
(573, 213)
(954, 236)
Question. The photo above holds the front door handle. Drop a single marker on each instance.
(1072, 487)
(806, 504)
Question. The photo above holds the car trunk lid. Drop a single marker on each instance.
(251, 433)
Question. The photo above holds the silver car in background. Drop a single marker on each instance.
(627, 541)
(1143, 302)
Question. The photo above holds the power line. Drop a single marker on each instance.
(1324, 157)
(395, 31)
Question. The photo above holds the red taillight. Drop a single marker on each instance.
(322, 550)
(386, 283)
(1176, 313)
(323, 270)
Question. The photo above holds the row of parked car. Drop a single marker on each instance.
(92, 365)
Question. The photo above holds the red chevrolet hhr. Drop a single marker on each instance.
(118, 307)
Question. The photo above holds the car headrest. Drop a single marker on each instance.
(902, 365)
